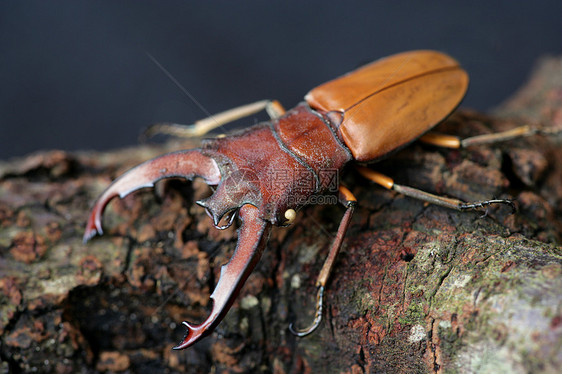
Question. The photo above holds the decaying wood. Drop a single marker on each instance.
(417, 288)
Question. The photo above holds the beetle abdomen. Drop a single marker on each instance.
(392, 101)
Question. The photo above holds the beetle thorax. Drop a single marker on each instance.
(277, 166)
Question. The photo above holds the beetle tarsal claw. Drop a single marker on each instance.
(317, 317)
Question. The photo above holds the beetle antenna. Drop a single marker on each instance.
(181, 87)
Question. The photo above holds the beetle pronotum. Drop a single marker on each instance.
(361, 116)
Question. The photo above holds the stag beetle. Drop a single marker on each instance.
(361, 117)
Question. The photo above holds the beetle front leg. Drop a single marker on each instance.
(184, 164)
(252, 237)
(347, 199)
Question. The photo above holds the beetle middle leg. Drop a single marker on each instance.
(451, 141)
(446, 202)
(349, 201)
(273, 108)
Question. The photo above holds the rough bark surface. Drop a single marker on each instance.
(417, 288)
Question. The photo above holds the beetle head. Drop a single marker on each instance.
(237, 187)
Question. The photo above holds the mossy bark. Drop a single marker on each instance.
(417, 288)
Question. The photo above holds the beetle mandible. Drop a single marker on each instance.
(361, 116)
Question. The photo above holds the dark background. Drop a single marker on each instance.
(76, 75)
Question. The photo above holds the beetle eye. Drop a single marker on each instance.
(290, 216)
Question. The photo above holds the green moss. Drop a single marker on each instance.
(450, 342)
(413, 315)
(363, 300)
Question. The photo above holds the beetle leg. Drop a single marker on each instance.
(441, 140)
(349, 201)
(273, 108)
(185, 164)
(447, 202)
(451, 141)
(252, 238)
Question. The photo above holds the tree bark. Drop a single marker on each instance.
(416, 288)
